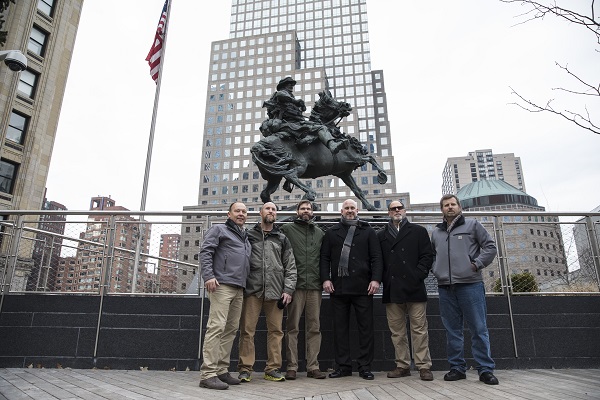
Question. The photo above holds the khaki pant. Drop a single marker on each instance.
(222, 325)
(308, 301)
(274, 318)
(396, 316)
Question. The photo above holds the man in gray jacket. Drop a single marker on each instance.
(269, 287)
(225, 265)
(462, 249)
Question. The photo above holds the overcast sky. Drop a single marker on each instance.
(448, 68)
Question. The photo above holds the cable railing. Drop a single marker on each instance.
(97, 252)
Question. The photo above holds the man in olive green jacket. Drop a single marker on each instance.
(272, 280)
(306, 240)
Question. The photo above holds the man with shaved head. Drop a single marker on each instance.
(351, 268)
(269, 288)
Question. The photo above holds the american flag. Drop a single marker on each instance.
(154, 56)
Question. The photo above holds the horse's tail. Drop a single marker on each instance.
(271, 159)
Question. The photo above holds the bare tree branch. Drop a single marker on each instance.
(539, 11)
(584, 122)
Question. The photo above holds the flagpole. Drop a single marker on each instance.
(142, 229)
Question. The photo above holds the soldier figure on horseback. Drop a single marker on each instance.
(285, 115)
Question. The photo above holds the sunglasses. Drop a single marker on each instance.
(397, 208)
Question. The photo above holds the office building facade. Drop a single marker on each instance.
(482, 165)
(322, 45)
(30, 100)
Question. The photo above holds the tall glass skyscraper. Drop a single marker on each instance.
(322, 44)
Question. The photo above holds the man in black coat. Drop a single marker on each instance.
(407, 260)
(351, 268)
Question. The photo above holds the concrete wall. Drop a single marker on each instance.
(162, 333)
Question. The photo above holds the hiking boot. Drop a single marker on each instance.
(228, 379)
(399, 373)
(425, 374)
(213, 383)
(455, 375)
(244, 376)
(488, 378)
(316, 373)
(274, 376)
(290, 375)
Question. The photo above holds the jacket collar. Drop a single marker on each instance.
(460, 220)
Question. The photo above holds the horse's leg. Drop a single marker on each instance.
(381, 175)
(272, 185)
(309, 193)
(351, 183)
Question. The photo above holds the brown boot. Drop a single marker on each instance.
(290, 375)
(399, 373)
(316, 373)
(425, 374)
(213, 383)
(228, 379)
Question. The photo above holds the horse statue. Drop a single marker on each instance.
(289, 152)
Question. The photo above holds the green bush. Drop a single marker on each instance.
(521, 283)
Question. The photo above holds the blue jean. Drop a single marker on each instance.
(465, 303)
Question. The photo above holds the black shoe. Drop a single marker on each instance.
(338, 373)
(368, 375)
(455, 375)
(488, 378)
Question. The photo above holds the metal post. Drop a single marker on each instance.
(9, 266)
(107, 263)
(504, 277)
(593, 239)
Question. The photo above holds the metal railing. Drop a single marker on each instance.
(94, 252)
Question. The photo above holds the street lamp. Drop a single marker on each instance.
(14, 59)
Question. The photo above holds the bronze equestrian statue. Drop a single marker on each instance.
(295, 148)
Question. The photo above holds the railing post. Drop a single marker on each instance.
(10, 264)
(504, 277)
(107, 263)
(594, 246)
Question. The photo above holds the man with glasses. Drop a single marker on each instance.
(407, 260)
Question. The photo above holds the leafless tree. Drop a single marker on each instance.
(588, 21)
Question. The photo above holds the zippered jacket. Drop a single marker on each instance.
(225, 254)
(454, 251)
(306, 239)
(272, 265)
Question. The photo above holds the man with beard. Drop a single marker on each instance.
(462, 249)
(224, 262)
(407, 259)
(306, 238)
(272, 280)
(351, 268)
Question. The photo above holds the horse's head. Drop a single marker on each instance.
(327, 109)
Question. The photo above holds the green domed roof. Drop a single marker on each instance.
(493, 193)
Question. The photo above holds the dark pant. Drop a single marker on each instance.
(363, 309)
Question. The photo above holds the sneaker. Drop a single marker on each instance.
(488, 378)
(228, 379)
(425, 374)
(316, 373)
(274, 376)
(213, 383)
(454, 375)
(290, 375)
(399, 373)
(244, 376)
